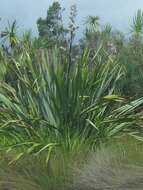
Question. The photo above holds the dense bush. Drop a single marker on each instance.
(60, 101)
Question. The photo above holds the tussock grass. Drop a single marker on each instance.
(117, 167)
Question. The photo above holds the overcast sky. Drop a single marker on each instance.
(117, 12)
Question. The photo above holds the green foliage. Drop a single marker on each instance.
(131, 56)
(59, 101)
(51, 29)
(137, 26)
(131, 59)
(92, 23)
(49, 103)
(9, 36)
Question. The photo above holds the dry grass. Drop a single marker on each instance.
(107, 170)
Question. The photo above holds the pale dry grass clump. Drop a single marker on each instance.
(107, 171)
(11, 180)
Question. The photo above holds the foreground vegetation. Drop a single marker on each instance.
(61, 103)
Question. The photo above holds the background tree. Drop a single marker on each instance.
(51, 29)
(92, 31)
(132, 59)
(9, 37)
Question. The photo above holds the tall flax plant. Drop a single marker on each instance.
(49, 105)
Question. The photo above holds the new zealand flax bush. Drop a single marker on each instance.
(58, 106)
(52, 101)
